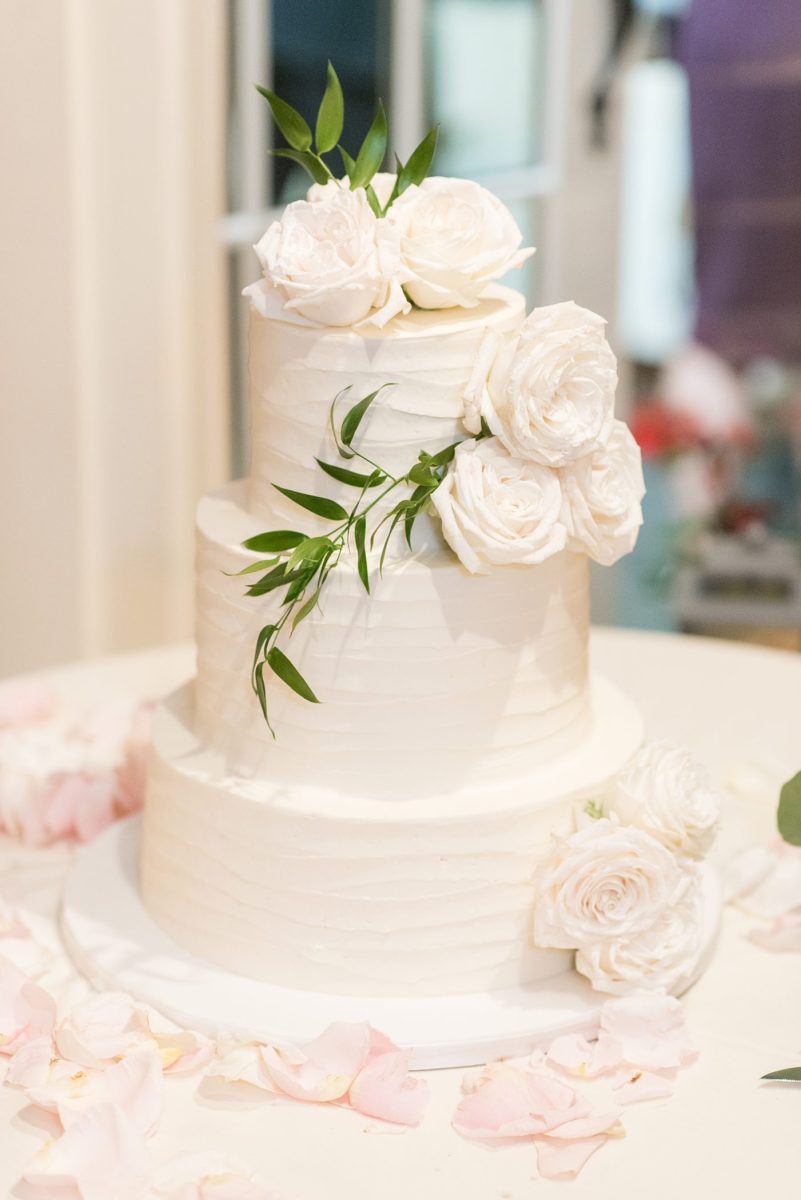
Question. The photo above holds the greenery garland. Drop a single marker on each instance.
(300, 564)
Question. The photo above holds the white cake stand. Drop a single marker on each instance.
(116, 945)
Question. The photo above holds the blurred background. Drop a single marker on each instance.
(651, 151)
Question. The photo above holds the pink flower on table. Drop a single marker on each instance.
(349, 1063)
(26, 1010)
(510, 1101)
(67, 779)
(25, 702)
(102, 1155)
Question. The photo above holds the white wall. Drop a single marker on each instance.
(113, 405)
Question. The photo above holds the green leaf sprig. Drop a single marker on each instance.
(300, 565)
(788, 817)
(308, 149)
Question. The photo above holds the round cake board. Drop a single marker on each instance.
(116, 944)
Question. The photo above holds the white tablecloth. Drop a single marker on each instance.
(723, 1134)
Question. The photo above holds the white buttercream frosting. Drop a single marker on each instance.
(313, 888)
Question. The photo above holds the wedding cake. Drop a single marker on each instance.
(394, 774)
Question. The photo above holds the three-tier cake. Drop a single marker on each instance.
(394, 774)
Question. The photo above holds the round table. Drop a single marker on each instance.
(722, 1133)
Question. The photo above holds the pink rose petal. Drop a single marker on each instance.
(385, 1089)
(512, 1102)
(563, 1160)
(650, 1029)
(241, 1063)
(102, 1155)
(27, 1011)
(30, 1065)
(104, 1027)
(325, 1068)
(576, 1055)
(80, 806)
(639, 1086)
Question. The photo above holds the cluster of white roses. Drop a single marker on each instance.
(624, 891)
(333, 261)
(560, 472)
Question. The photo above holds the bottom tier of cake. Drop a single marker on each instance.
(315, 890)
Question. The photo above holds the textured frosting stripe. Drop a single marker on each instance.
(320, 891)
(484, 675)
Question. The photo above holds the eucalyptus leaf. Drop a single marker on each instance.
(360, 532)
(264, 636)
(277, 540)
(321, 506)
(789, 815)
(372, 199)
(331, 114)
(303, 577)
(419, 162)
(306, 608)
(788, 1075)
(372, 150)
(347, 162)
(288, 119)
(261, 565)
(291, 676)
(309, 551)
(354, 417)
(422, 474)
(443, 457)
(310, 162)
(274, 579)
(485, 431)
(351, 478)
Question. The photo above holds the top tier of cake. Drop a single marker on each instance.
(296, 370)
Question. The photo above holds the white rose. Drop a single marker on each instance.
(662, 957)
(333, 261)
(667, 792)
(547, 390)
(496, 509)
(455, 239)
(606, 883)
(602, 493)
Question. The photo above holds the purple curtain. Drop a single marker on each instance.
(743, 60)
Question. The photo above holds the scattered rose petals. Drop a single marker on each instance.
(26, 1010)
(384, 1089)
(110, 1024)
(510, 1101)
(207, 1177)
(101, 1155)
(650, 1029)
(637, 1086)
(323, 1069)
(134, 1084)
(576, 1055)
(102, 1028)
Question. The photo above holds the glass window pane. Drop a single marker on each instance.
(305, 34)
(484, 82)
(528, 214)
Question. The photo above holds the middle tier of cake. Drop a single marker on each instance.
(436, 679)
